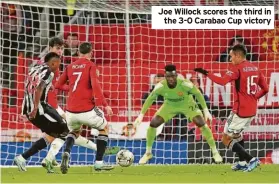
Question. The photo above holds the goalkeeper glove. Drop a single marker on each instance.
(201, 70)
(207, 115)
(138, 120)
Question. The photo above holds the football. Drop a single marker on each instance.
(124, 158)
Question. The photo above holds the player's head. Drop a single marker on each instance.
(171, 75)
(85, 50)
(53, 60)
(238, 54)
(56, 45)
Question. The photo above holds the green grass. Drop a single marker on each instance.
(146, 174)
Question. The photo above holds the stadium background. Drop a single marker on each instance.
(178, 142)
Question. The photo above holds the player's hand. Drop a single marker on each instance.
(33, 113)
(138, 120)
(201, 70)
(109, 110)
(207, 115)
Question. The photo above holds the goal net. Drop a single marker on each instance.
(131, 57)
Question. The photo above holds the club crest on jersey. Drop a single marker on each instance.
(180, 93)
(97, 72)
(229, 73)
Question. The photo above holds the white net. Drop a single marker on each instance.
(129, 68)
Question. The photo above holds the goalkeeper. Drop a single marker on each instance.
(178, 99)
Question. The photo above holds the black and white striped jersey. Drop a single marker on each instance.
(37, 74)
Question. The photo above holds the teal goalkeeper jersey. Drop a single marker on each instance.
(180, 96)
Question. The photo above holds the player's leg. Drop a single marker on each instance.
(74, 126)
(162, 115)
(40, 144)
(102, 141)
(196, 116)
(41, 122)
(56, 127)
(207, 134)
(95, 119)
(241, 164)
(233, 128)
(55, 146)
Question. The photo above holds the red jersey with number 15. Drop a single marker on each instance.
(247, 79)
(84, 86)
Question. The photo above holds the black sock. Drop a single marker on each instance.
(239, 156)
(236, 147)
(35, 148)
(102, 141)
(70, 141)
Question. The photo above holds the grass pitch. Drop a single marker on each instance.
(145, 174)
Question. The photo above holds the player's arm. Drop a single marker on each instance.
(263, 85)
(44, 78)
(148, 102)
(61, 83)
(200, 98)
(228, 77)
(97, 91)
(192, 89)
(38, 94)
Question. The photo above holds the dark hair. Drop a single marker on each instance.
(85, 48)
(236, 38)
(240, 48)
(170, 68)
(72, 34)
(50, 55)
(55, 41)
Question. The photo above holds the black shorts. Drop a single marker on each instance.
(50, 122)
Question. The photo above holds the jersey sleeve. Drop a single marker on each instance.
(230, 75)
(45, 76)
(192, 89)
(152, 96)
(60, 84)
(97, 91)
(263, 85)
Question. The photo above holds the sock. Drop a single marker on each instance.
(35, 148)
(70, 140)
(150, 137)
(241, 142)
(55, 146)
(236, 147)
(206, 132)
(102, 141)
(82, 141)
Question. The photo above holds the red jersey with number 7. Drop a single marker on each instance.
(247, 78)
(84, 87)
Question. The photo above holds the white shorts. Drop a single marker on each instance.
(94, 119)
(236, 124)
(60, 111)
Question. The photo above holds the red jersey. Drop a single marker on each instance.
(84, 87)
(52, 94)
(247, 79)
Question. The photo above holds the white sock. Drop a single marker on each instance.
(99, 162)
(81, 141)
(21, 158)
(55, 146)
(242, 163)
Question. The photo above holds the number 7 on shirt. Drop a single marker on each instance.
(78, 74)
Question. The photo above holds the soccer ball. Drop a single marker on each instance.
(124, 158)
